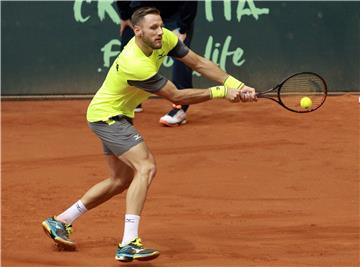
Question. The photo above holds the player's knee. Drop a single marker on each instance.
(147, 170)
(152, 173)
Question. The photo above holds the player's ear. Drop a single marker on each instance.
(137, 30)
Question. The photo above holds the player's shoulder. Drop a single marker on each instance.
(169, 40)
(134, 64)
(129, 53)
(167, 32)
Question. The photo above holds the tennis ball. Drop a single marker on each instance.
(305, 102)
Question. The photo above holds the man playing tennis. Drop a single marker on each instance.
(132, 78)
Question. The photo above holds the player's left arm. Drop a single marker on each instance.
(212, 72)
(204, 66)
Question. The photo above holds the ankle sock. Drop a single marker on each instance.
(131, 228)
(72, 213)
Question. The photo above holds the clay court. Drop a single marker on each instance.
(240, 185)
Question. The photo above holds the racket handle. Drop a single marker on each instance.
(261, 94)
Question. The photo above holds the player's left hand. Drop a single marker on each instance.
(233, 95)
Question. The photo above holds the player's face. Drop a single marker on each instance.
(151, 31)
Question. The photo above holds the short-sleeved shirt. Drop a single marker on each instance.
(132, 78)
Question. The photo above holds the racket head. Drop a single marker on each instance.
(302, 85)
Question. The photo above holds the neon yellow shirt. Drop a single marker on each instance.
(116, 96)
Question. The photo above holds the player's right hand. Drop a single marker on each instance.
(247, 94)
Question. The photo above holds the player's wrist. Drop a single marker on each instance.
(233, 83)
(217, 92)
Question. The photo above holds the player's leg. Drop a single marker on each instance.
(142, 162)
(120, 179)
(59, 227)
(117, 137)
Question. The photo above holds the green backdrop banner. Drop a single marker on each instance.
(51, 47)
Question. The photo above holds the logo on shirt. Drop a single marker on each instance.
(161, 55)
(137, 137)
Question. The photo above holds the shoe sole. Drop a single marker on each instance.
(59, 241)
(165, 123)
(148, 258)
(139, 258)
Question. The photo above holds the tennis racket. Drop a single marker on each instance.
(301, 93)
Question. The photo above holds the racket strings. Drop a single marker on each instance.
(300, 86)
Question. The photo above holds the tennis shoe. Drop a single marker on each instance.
(179, 118)
(135, 251)
(59, 232)
(139, 108)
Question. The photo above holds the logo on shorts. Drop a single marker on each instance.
(137, 137)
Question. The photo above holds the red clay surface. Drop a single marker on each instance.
(239, 185)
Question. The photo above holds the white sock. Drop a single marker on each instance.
(131, 228)
(72, 213)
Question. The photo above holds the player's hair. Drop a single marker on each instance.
(140, 13)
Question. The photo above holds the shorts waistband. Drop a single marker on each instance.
(120, 117)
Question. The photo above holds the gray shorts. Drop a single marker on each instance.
(118, 137)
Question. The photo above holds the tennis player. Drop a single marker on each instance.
(132, 78)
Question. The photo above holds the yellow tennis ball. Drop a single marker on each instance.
(305, 102)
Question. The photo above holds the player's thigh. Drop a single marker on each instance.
(139, 156)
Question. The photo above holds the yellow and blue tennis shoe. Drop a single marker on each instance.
(135, 251)
(59, 232)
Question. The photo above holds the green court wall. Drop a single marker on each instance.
(66, 47)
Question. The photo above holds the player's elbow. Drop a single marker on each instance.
(171, 93)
